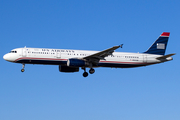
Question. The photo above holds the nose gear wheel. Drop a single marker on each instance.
(22, 70)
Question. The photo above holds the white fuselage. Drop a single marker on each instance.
(60, 57)
(72, 60)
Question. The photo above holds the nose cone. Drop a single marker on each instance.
(7, 57)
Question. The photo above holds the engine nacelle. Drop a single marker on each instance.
(68, 69)
(73, 62)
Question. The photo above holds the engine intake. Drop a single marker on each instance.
(73, 62)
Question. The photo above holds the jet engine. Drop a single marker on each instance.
(68, 69)
(73, 62)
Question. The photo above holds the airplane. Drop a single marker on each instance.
(71, 60)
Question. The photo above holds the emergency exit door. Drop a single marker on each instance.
(58, 54)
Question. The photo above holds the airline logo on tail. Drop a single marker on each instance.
(159, 46)
(162, 45)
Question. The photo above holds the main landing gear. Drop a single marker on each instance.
(91, 71)
(85, 74)
(22, 70)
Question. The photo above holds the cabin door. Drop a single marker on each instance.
(24, 52)
(145, 58)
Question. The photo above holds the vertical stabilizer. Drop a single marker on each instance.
(159, 46)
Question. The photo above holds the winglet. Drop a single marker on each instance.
(121, 45)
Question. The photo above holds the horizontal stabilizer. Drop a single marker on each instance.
(165, 56)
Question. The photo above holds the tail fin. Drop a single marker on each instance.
(159, 46)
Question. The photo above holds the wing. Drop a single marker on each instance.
(94, 58)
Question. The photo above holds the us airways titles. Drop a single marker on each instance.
(57, 50)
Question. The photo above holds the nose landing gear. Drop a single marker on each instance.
(22, 70)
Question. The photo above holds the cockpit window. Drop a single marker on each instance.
(13, 52)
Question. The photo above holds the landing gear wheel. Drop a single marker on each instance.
(85, 74)
(22, 70)
(91, 71)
